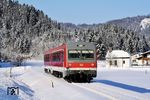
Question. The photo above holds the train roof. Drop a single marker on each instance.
(72, 44)
(81, 45)
(79, 42)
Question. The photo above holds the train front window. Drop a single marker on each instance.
(81, 54)
(74, 54)
(87, 54)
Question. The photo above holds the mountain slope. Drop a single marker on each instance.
(131, 23)
(28, 31)
(22, 28)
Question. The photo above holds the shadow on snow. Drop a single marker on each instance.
(124, 86)
(26, 89)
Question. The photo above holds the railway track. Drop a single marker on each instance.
(110, 92)
(97, 92)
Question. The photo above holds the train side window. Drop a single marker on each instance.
(47, 57)
(56, 57)
(62, 56)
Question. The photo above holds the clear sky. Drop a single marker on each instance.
(90, 11)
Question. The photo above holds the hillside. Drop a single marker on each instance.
(132, 23)
(26, 30)
(23, 28)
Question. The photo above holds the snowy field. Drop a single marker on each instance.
(110, 84)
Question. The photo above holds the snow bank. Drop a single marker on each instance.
(25, 92)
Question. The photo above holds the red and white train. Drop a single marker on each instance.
(72, 61)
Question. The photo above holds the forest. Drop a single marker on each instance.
(25, 30)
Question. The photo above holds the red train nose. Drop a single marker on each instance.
(80, 64)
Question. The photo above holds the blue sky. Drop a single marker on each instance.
(90, 11)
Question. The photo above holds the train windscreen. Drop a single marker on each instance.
(74, 54)
(81, 54)
(87, 54)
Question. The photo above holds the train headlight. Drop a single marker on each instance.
(81, 64)
(92, 64)
(70, 64)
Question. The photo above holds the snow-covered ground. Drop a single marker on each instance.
(110, 83)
